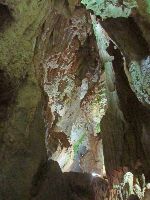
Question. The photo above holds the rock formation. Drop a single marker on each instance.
(74, 88)
(125, 56)
(31, 39)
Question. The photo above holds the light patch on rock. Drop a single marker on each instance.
(114, 8)
(84, 88)
(140, 79)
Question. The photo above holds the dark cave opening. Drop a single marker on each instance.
(5, 16)
(87, 137)
(6, 93)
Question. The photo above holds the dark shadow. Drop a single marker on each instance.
(6, 93)
(5, 16)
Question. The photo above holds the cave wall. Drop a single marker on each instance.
(31, 35)
(124, 27)
(22, 126)
(22, 99)
(134, 125)
(73, 81)
(45, 42)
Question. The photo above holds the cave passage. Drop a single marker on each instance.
(75, 100)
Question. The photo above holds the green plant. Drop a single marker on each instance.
(77, 144)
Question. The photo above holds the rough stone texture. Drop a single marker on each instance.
(22, 126)
(114, 8)
(125, 126)
(50, 44)
(84, 186)
(130, 128)
(51, 183)
(80, 184)
(93, 160)
(68, 53)
(34, 34)
(22, 129)
(133, 128)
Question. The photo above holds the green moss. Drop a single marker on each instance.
(148, 6)
(68, 157)
(78, 143)
(98, 128)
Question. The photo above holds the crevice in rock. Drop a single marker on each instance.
(135, 115)
(5, 16)
(7, 93)
(39, 178)
(128, 36)
(51, 48)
